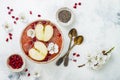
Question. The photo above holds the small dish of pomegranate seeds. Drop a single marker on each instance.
(16, 62)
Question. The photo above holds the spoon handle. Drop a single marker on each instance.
(70, 43)
(59, 61)
(66, 61)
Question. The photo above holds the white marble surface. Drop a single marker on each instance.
(96, 20)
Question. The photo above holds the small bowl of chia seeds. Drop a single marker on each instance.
(65, 16)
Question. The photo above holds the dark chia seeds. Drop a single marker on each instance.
(64, 16)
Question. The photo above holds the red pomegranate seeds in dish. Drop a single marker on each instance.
(15, 61)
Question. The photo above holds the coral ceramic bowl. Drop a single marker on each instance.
(41, 41)
(16, 62)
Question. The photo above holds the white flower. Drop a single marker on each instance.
(97, 67)
(52, 48)
(91, 60)
(101, 58)
(7, 27)
(36, 74)
(23, 18)
(31, 33)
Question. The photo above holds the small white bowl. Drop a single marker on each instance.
(16, 70)
(71, 19)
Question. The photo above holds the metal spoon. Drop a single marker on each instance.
(72, 33)
(77, 41)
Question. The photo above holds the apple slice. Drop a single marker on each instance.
(39, 51)
(39, 30)
(34, 54)
(41, 47)
(48, 32)
(44, 33)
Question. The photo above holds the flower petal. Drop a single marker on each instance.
(31, 33)
(7, 27)
(55, 48)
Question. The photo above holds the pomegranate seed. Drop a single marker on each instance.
(54, 27)
(13, 17)
(26, 70)
(8, 7)
(28, 74)
(9, 13)
(59, 35)
(10, 37)
(75, 3)
(43, 22)
(16, 18)
(15, 22)
(74, 7)
(10, 34)
(78, 55)
(34, 39)
(74, 54)
(30, 12)
(7, 40)
(79, 3)
(74, 60)
(11, 10)
(39, 15)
